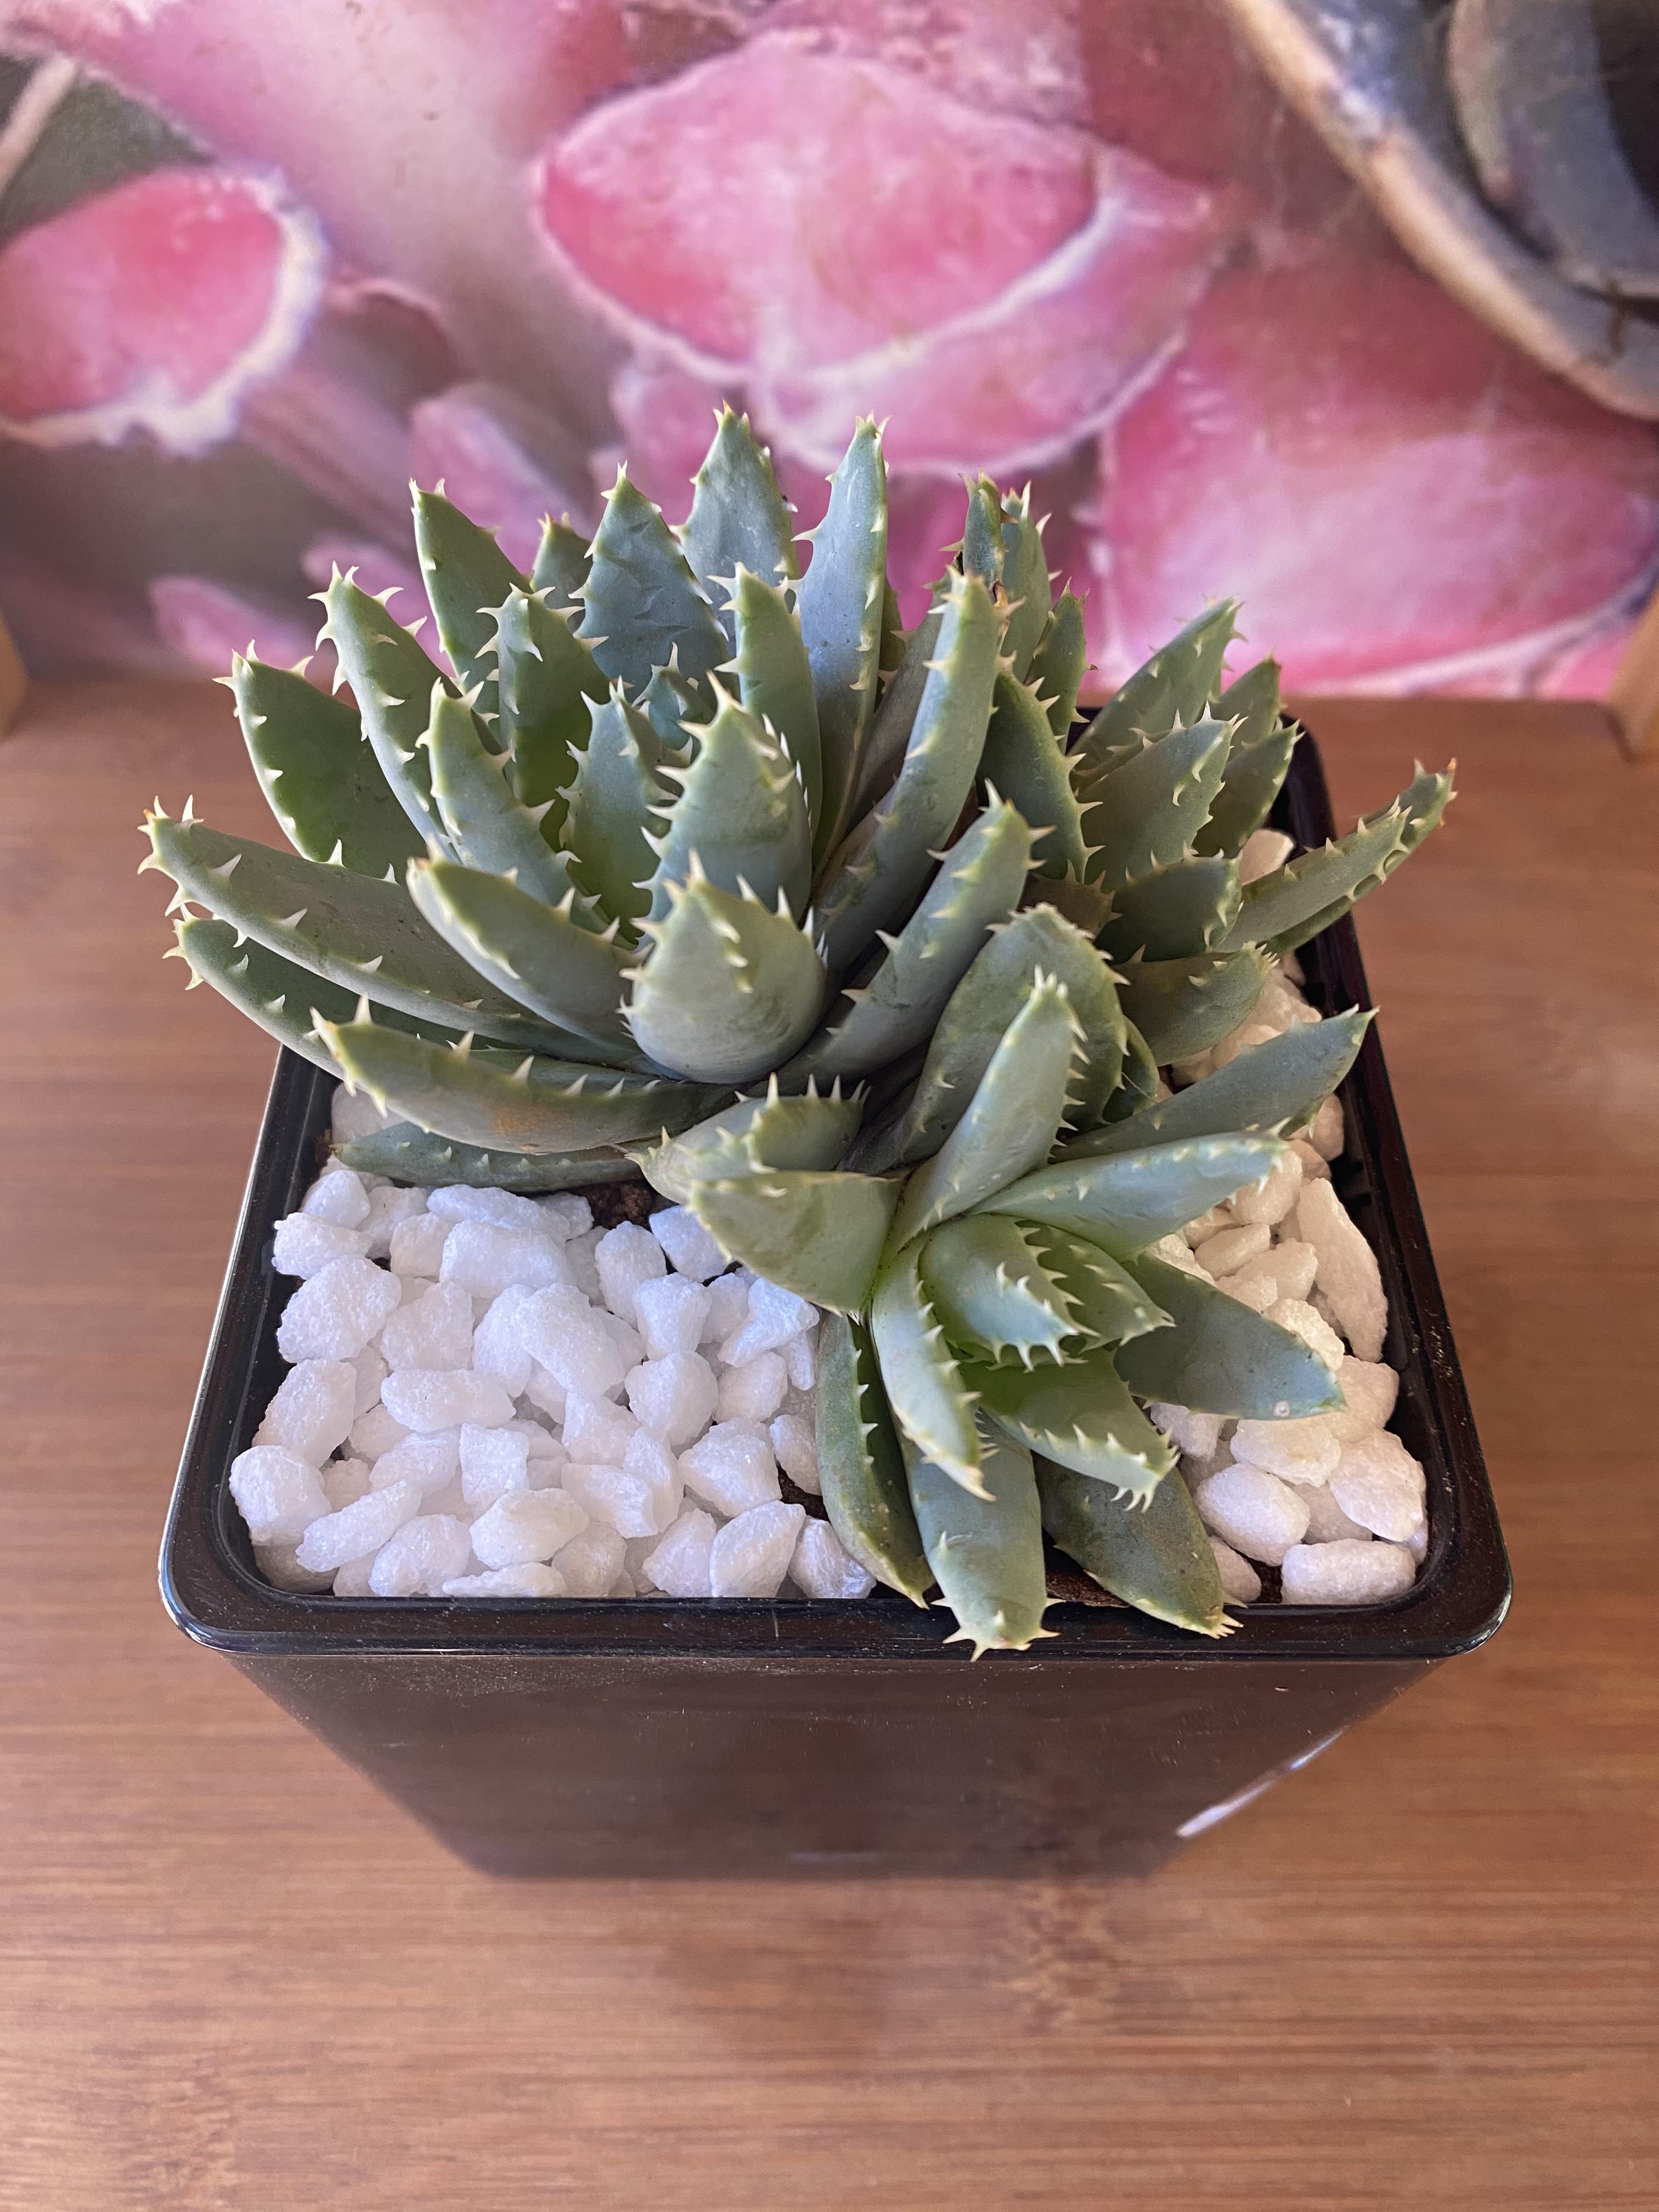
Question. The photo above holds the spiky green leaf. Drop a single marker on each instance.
(392, 681)
(895, 716)
(1061, 663)
(409, 1154)
(1174, 687)
(1025, 581)
(1081, 1416)
(641, 606)
(860, 1465)
(930, 1402)
(840, 600)
(1023, 761)
(562, 564)
(985, 1549)
(771, 1132)
(1128, 1200)
(1221, 1357)
(617, 804)
(1277, 909)
(774, 677)
(1182, 1007)
(986, 1280)
(738, 517)
(729, 990)
(324, 786)
(819, 1235)
(1144, 812)
(1184, 908)
(485, 824)
(740, 816)
(549, 683)
(1105, 1303)
(1156, 1557)
(466, 576)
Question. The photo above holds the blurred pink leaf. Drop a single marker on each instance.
(482, 444)
(205, 622)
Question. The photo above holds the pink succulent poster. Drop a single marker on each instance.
(1344, 307)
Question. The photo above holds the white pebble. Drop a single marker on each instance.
(1197, 1435)
(360, 1528)
(821, 1568)
(1244, 1038)
(542, 1445)
(459, 1202)
(1254, 1512)
(353, 1114)
(728, 1306)
(493, 1462)
(533, 1579)
(1379, 1484)
(1231, 1249)
(732, 1468)
(1208, 1224)
(650, 1459)
(338, 1196)
(565, 1214)
(674, 1397)
(418, 1245)
(624, 1336)
(498, 1345)
(314, 1409)
(754, 1391)
(590, 1563)
(280, 1564)
(563, 1333)
(429, 1461)
(627, 1256)
(629, 1502)
(352, 1579)
(1369, 1391)
(387, 1207)
(795, 1446)
(800, 1358)
(1326, 1522)
(277, 1493)
(678, 1564)
(304, 1245)
(1272, 1199)
(542, 1392)
(775, 1314)
(1263, 852)
(346, 1481)
(1175, 1252)
(584, 1269)
(750, 1556)
(1314, 1170)
(1325, 1132)
(428, 1398)
(1315, 1332)
(434, 1329)
(424, 1554)
(487, 1259)
(370, 1370)
(670, 1312)
(688, 1244)
(1303, 1452)
(526, 1525)
(1292, 1266)
(1240, 1582)
(1348, 1572)
(334, 1314)
(376, 1432)
(1347, 1270)
(595, 1429)
(1254, 1287)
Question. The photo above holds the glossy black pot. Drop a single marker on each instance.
(584, 1737)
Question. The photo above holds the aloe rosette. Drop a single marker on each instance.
(854, 943)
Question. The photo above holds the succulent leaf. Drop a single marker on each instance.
(977, 884)
(979, 1011)
(1186, 907)
(738, 517)
(670, 705)
(642, 608)
(562, 564)
(1221, 1356)
(740, 816)
(1081, 1416)
(1252, 704)
(1269, 1088)
(988, 1283)
(774, 677)
(1156, 1557)
(930, 1402)
(1277, 909)
(486, 826)
(1140, 1081)
(1128, 1200)
(1023, 761)
(495, 1099)
(539, 955)
(324, 786)
(1061, 663)
(874, 878)
(1144, 812)
(1105, 1303)
(1172, 689)
(392, 681)
(1249, 784)
(283, 999)
(1182, 1007)
(617, 808)
(841, 601)
(896, 713)
(1012, 1119)
(860, 1465)
(1025, 581)
(892, 633)
(466, 575)
(548, 685)
(771, 1132)
(982, 533)
(985, 1547)
(363, 935)
(730, 988)
(409, 1154)
(820, 1234)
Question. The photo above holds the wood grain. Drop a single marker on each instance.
(1421, 1973)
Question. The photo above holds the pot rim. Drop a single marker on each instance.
(214, 1594)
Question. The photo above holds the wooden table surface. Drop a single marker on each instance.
(1421, 1973)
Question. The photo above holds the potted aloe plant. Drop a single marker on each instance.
(923, 1000)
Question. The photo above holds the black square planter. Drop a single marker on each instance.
(738, 1737)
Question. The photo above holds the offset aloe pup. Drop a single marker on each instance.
(687, 864)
